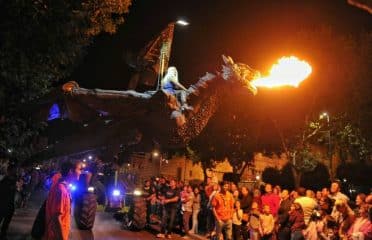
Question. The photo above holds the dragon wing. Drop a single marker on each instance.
(84, 104)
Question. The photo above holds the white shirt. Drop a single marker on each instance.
(237, 217)
(308, 205)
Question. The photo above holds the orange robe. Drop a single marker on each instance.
(58, 213)
(55, 179)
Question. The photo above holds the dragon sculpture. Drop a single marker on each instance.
(154, 114)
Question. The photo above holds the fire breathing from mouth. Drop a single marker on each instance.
(289, 71)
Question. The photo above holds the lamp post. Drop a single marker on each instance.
(325, 115)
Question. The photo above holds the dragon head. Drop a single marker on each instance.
(240, 73)
(69, 86)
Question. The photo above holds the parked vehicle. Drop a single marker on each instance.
(85, 202)
(133, 211)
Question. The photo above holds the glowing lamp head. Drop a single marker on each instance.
(155, 154)
(323, 115)
(182, 22)
(115, 193)
(90, 189)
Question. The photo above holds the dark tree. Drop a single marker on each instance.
(356, 173)
(41, 42)
(286, 177)
(271, 175)
(316, 179)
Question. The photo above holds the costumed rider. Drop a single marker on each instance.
(170, 83)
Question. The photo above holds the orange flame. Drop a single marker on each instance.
(289, 71)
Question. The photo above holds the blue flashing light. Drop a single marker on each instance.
(116, 193)
(72, 187)
(54, 112)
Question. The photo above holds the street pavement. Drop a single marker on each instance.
(105, 226)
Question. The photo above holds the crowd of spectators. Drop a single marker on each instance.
(226, 211)
(223, 210)
(16, 186)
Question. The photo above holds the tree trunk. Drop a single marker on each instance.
(296, 177)
(205, 167)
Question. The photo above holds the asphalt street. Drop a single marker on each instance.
(105, 227)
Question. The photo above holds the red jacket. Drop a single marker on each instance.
(273, 201)
(296, 221)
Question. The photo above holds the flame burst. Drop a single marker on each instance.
(289, 71)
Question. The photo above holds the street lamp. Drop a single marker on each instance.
(182, 22)
(157, 156)
(155, 153)
(324, 115)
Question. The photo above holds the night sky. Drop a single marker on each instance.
(256, 32)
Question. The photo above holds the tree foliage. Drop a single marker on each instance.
(41, 41)
(271, 175)
(320, 173)
(341, 136)
(304, 160)
(342, 79)
(356, 173)
(316, 179)
(286, 177)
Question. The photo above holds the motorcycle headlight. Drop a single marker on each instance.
(90, 189)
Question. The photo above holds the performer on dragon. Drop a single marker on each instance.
(170, 83)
